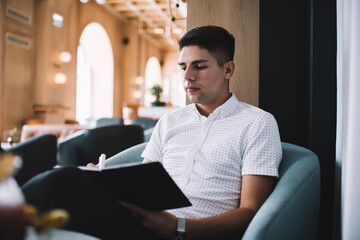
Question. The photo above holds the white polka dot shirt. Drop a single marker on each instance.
(206, 156)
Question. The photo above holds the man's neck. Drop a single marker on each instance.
(207, 109)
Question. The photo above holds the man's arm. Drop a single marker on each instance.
(232, 224)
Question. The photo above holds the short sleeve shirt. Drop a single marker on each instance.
(206, 156)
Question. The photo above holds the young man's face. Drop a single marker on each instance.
(205, 82)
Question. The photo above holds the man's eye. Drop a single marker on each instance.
(199, 67)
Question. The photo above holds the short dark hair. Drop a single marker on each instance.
(217, 40)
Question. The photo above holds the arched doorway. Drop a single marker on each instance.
(95, 75)
(152, 77)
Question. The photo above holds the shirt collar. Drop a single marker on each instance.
(224, 110)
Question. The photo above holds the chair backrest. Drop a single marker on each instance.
(84, 147)
(38, 153)
(147, 134)
(292, 210)
(130, 155)
(108, 121)
(146, 123)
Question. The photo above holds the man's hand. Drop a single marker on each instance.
(160, 222)
(91, 165)
(101, 163)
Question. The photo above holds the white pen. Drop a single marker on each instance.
(102, 161)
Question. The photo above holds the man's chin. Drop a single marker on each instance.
(195, 100)
(192, 98)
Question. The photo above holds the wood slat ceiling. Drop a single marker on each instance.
(155, 18)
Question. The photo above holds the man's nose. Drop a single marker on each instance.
(189, 74)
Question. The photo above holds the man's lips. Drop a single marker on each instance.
(192, 89)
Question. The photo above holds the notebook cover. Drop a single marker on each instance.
(146, 185)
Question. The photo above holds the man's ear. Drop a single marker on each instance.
(229, 69)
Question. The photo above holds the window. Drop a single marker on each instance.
(95, 75)
(152, 77)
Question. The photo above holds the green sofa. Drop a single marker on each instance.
(291, 211)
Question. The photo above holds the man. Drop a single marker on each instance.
(222, 153)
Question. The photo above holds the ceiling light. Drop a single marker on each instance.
(158, 30)
(84, 1)
(177, 31)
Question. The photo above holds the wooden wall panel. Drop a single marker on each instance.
(25, 6)
(16, 66)
(18, 78)
(43, 53)
(131, 61)
(50, 41)
(171, 63)
(241, 18)
(71, 44)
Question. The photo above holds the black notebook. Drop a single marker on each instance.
(146, 185)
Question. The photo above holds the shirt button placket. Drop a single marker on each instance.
(191, 157)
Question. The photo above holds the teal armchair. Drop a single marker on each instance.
(291, 211)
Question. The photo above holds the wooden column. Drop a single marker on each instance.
(240, 18)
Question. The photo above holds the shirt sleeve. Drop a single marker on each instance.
(263, 152)
(153, 150)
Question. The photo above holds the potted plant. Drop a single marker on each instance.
(156, 90)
